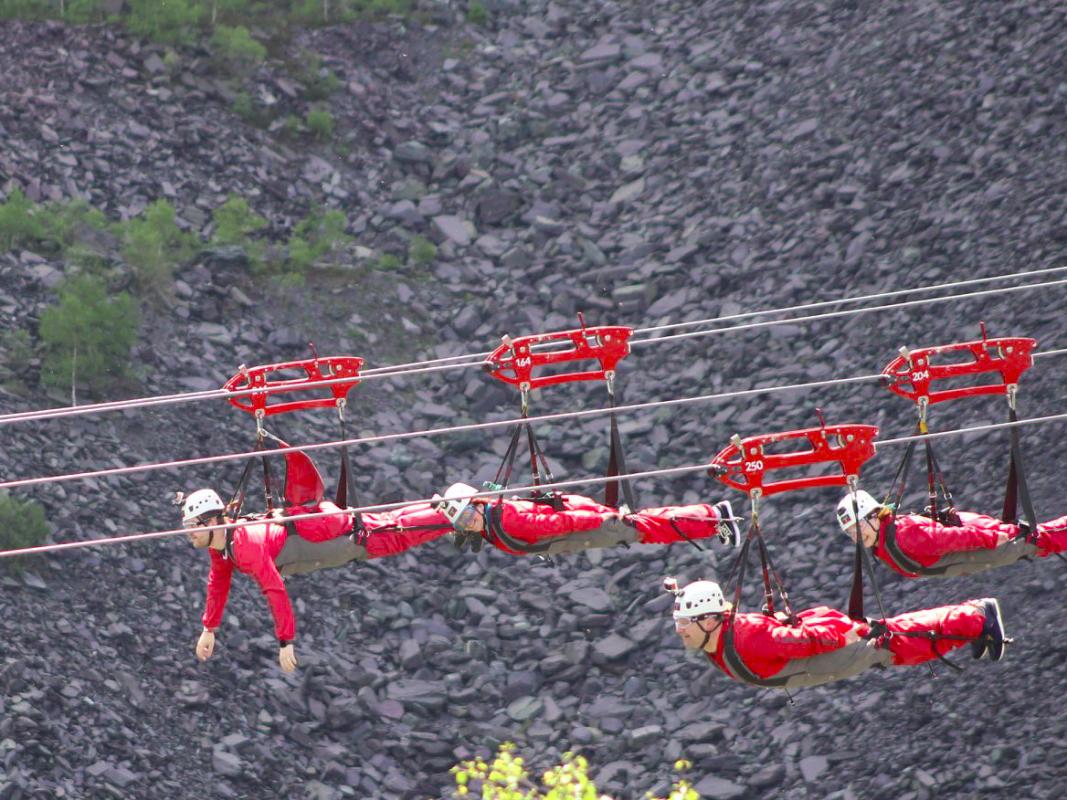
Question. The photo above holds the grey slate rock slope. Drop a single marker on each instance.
(646, 164)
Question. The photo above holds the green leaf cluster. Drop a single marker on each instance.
(153, 245)
(506, 778)
(422, 251)
(168, 21)
(320, 122)
(314, 237)
(22, 524)
(20, 223)
(235, 222)
(86, 337)
(477, 13)
(236, 47)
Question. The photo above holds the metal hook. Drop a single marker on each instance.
(314, 351)
(1013, 389)
(609, 379)
(822, 419)
(524, 395)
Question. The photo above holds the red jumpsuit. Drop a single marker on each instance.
(255, 546)
(766, 644)
(532, 522)
(926, 541)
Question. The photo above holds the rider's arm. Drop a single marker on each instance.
(777, 640)
(218, 590)
(927, 540)
(534, 521)
(256, 561)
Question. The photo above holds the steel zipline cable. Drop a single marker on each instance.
(473, 426)
(477, 359)
(683, 470)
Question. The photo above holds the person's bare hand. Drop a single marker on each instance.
(1002, 538)
(852, 637)
(205, 646)
(287, 658)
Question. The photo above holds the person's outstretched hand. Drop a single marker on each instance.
(205, 646)
(287, 658)
(852, 637)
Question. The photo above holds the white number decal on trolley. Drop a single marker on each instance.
(524, 362)
(753, 466)
(921, 375)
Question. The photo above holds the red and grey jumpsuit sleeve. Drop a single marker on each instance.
(532, 522)
(254, 559)
(218, 589)
(927, 540)
(390, 533)
(321, 529)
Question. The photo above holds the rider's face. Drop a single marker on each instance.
(689, 632)
(199, 538)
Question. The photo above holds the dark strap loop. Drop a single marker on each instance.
(493, 518)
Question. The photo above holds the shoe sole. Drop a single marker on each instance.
(996, 646)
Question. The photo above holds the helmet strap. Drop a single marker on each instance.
(707, 633)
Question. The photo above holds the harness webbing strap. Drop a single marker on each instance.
(617, 464)
(1017, 488)
(345, 496)
(730, 656)
(738, 668)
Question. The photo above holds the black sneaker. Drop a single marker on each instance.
(729, 530)
(992, 640)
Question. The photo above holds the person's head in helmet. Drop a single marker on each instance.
(698, 612)
(462, 508)
(203, 509)
(868, 516)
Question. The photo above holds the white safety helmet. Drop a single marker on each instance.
(456, 505)
(201, 502)
(697, 599)
(846, 509)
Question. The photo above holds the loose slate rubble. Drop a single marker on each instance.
(645, 163)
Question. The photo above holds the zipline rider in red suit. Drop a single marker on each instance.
(824, 644)
(567, 523)
(915, 545)
(268, 551)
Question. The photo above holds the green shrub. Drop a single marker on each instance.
(422, 251)
(22, 524)
(320, 123)
(16, 348)
(476, 13)
(387, 262)
(507, 778)
(82, 12)
(64, 224)
(244, 107)
(291, 126)
(153, 245)
(319, 81)
(237, 47)
(235, 222)
(19, 221)
(169, 21)
(23, 9)
(314, 237)
(86, 337)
